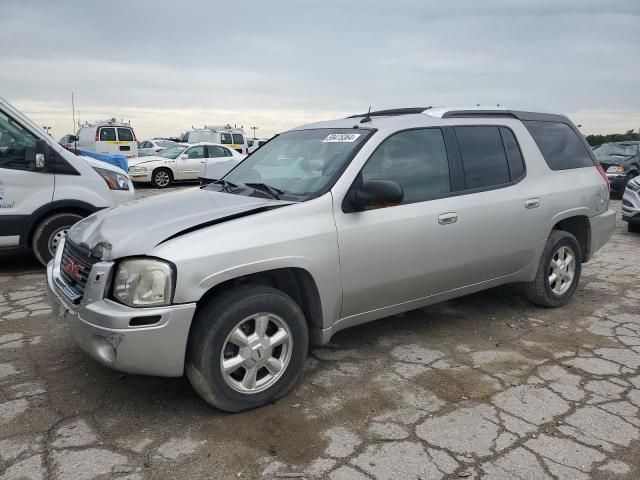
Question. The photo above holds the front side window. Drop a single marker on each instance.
(195, 152)
(125, 135)
(559, 144)
(226, 139)
(17, 145)
(300, 163)
(484, 160)
(238, 139)
(108, 134)
(414, 159)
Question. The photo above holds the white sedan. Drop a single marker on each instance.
(182, 162)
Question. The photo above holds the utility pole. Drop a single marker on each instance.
(254, 131)
(73, 113)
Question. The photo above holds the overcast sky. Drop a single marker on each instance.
(168, 65)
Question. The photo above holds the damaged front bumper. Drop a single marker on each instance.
(103, 329)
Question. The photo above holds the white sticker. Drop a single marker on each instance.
(341, 137)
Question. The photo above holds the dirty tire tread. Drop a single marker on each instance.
(538, 291)
(213, 323)
(40, 240)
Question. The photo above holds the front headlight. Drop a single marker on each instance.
(143, 282)
(138, 170)
(615, 169)
(115, 180)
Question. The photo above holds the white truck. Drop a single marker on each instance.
(45, 189)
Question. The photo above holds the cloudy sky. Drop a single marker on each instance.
(168, 65)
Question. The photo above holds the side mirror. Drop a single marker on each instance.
(377, 192)
(184, 156)
(42, 154)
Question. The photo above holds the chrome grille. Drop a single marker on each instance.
(75, 267)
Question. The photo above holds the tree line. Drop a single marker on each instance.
(595, 140)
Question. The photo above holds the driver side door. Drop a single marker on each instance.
(189, 162)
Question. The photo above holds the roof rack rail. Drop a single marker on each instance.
(392, 112)
(479, 113)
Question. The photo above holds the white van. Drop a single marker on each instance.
(44, 188)
(108, 137)
(226, 135)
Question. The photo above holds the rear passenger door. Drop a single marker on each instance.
(498, 209)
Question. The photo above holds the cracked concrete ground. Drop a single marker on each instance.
(483, 387)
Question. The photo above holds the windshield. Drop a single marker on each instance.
(300, 163)
(620, 149)
(172, 152)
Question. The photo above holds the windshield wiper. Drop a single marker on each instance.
(263, 187)
(227, 186)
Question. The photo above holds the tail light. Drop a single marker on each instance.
(97, 134)
(604, 175)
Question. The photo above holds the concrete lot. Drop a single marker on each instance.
(487, 386)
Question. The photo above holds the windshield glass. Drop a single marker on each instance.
(621, 149)
(172, 152)
(300, 163)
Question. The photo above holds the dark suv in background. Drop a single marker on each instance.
(621, 161)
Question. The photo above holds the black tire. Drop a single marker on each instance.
(214, 323)
(44, 237)
(633, 227)
(539, 291)
(161, 178)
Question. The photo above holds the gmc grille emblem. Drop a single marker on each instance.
(72, 269)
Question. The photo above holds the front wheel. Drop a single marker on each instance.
(247, 347)
(161, 178)
(558, 273)
(49, 233)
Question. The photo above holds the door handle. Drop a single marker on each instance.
(532, 203)
(448, 218)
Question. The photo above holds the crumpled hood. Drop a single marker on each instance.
(137, 227)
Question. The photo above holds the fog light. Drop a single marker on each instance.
(105, 347)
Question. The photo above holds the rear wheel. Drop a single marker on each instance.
(161, 178)
(247, 347)
(558, 273)
(49, 233)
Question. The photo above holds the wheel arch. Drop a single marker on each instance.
(578, 225)
(296, 282)
(60, 206)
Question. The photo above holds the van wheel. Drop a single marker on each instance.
(47, 236)
(247, 347)
(558, 273)
(161, 178)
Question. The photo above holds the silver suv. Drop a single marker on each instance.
(325, 227)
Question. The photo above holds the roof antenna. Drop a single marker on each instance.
(368, 117)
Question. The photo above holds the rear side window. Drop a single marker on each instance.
(559, 144)
(215, 151)
(414, 159)
(238, 139)
(125, 135)
(225, 138)
(108, 134)
(514, 155)
(483, 156)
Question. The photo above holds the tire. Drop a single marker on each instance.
(633, 227)
(210, 342)
(161, 178)
(49, 233)
(540, 291)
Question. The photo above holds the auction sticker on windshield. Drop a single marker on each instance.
(341, 137)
